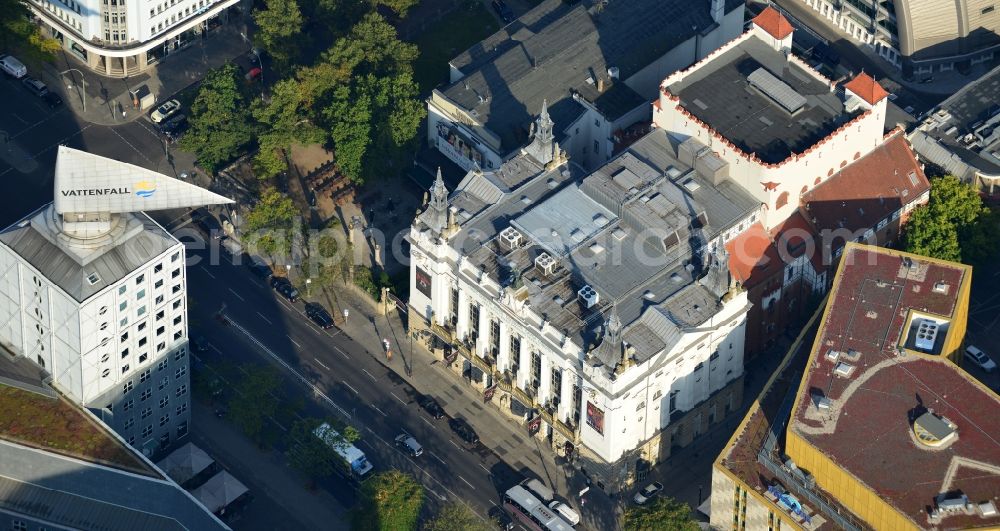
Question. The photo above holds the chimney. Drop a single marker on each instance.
(600, 85)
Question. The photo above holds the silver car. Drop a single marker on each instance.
(409, 444)
(164, 111)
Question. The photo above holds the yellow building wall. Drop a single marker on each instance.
(956, 334)
(848, 491)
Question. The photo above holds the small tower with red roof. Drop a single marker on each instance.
(772, 27)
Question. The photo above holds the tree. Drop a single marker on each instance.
(311, 456)
(456, 516)
(21, 36)
(659, 514)
(278, 30)
(400, 7)
(268, 227)
(220, 124)
(954, 224)
(390, 501)
(254, 402)
(284, 120)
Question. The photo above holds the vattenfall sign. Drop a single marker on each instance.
(142, 189)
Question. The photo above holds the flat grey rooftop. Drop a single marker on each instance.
(551, 51)
(81, 495)
(721, 95)
(114, 263)
(603, 233)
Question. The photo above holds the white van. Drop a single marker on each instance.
(566, 512)
(539, 489)
(12, 67)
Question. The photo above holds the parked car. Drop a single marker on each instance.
(647, 493)
(463, 430)
(199, 344)
(566, 512)
(52, 100)
(174, 126)
(285, 288)
(980, 359)
(164, 111)
(12, 67)
(253, 74)
(259, 267)
(503, 11)
(501, 518)
(319, 315)
(431, 406)
(409, 445)
(35, 86)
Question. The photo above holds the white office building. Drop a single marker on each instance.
(119, 38)
(93, 291)
(597, 308)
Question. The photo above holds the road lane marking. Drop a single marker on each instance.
(466, 482)
(379, 410)
(321, 364)
(203, 268)
(427, 422)
(265, 318)
(453, 444)
(342, 353)
(436, 457)
(237, 295)
(484, 468)
(293, 341)
(397, 398)
(374, 379)
(351, 388)
(215, 348)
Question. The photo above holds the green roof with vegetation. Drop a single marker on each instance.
(56, 425)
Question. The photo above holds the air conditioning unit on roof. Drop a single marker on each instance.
(511, 238)
(589, 296)
(546, 264)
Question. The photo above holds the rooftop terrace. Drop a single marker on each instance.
(860, 396)
(763, 103)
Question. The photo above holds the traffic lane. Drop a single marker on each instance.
(355, 380)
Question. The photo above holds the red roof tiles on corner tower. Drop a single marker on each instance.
(866, 88)
(773, 22)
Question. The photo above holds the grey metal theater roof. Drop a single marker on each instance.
(600, 241)
(80, 495)
(752, 95)
(134, 249)
(551, 52)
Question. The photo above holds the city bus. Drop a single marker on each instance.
(354, 459)
(531, 512)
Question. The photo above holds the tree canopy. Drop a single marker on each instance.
(279, 29)
(390, 501)
(21, 36)
(253, 402)
(284, 120)
(456, 516)
(954, 225)
(268, 226)
(659, 514)
(220, 124)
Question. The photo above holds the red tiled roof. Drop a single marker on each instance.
(748, 251)
(867, 190)
(773, 22)
(866, 88)
(868, 431)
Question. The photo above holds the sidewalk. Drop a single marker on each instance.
(281, 501)
(102, 95)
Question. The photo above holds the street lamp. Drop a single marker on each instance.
(83, 80)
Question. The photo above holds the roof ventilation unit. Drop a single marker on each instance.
(589, 296)
(927, 332)
(511, 238)
(546, 264)
(941, 287)
(844, 370)
(833, 355)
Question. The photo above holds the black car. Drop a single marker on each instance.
(174, 126)
(199, 344)
(503, 11)
(501, 518)
(52, 100)
(34, 86)
(283, 286)
(431, 406)
(463, 430)
(259, 268)
(319, 315)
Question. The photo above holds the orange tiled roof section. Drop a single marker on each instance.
(869, 189)
(866, 88)
(773, 22)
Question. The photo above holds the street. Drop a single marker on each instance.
(379, 404)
